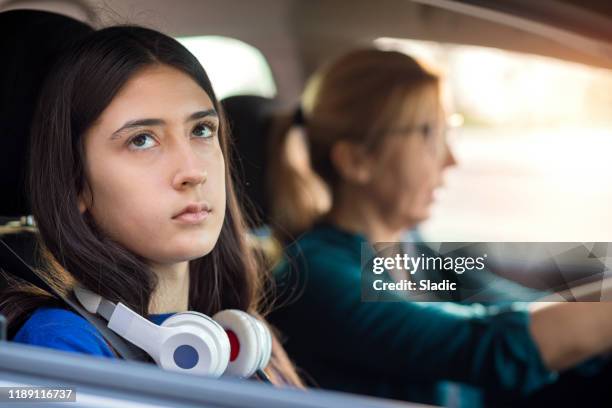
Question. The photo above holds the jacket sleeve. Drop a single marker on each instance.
(483, 346)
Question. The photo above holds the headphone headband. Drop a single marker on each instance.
(186, 341)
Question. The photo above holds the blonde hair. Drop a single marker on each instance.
(358, 98)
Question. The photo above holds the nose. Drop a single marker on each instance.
(449, 158)
(190, 169)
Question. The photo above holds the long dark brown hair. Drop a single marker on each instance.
(81, 86)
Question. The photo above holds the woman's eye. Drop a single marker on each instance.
(426, 130)
(142, 141)
(202, 130)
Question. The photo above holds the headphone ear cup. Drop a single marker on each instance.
(266, 337)
(199, 346)
(246, 342)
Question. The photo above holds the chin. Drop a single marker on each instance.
(423, 217)
(191, 246)
(188, 253)
(195, 253)
(416, 218)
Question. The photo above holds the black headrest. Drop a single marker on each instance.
(250, 118)
(30, 41)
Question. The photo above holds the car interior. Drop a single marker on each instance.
(260, 56)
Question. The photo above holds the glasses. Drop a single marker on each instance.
(427, 130)
(436, 135)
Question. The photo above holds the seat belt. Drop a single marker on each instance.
(2, 328)
(14, 265)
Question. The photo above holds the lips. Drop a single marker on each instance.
(193, 213)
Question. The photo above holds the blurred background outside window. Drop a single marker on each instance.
(533, 137)
(234, 67)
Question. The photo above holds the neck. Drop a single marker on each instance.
(361, 216)
(172, 292)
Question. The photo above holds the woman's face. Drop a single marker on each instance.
(408, 168)
(154, 168)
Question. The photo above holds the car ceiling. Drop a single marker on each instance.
(298, 35)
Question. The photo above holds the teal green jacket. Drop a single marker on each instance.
(402, 349)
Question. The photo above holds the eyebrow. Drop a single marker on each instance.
(157, 122)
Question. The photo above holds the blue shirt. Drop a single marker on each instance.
(63, 329)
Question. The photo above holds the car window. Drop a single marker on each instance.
(237, 68)
(532, 149)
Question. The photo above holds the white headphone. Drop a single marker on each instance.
(232, 342)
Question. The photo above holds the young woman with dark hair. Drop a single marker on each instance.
(374, 131)
(132, 193)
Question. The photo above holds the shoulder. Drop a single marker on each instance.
(62, 329)
(323, 249)
(318, 270)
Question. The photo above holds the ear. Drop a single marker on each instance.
(84, 199)
(352, 162)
